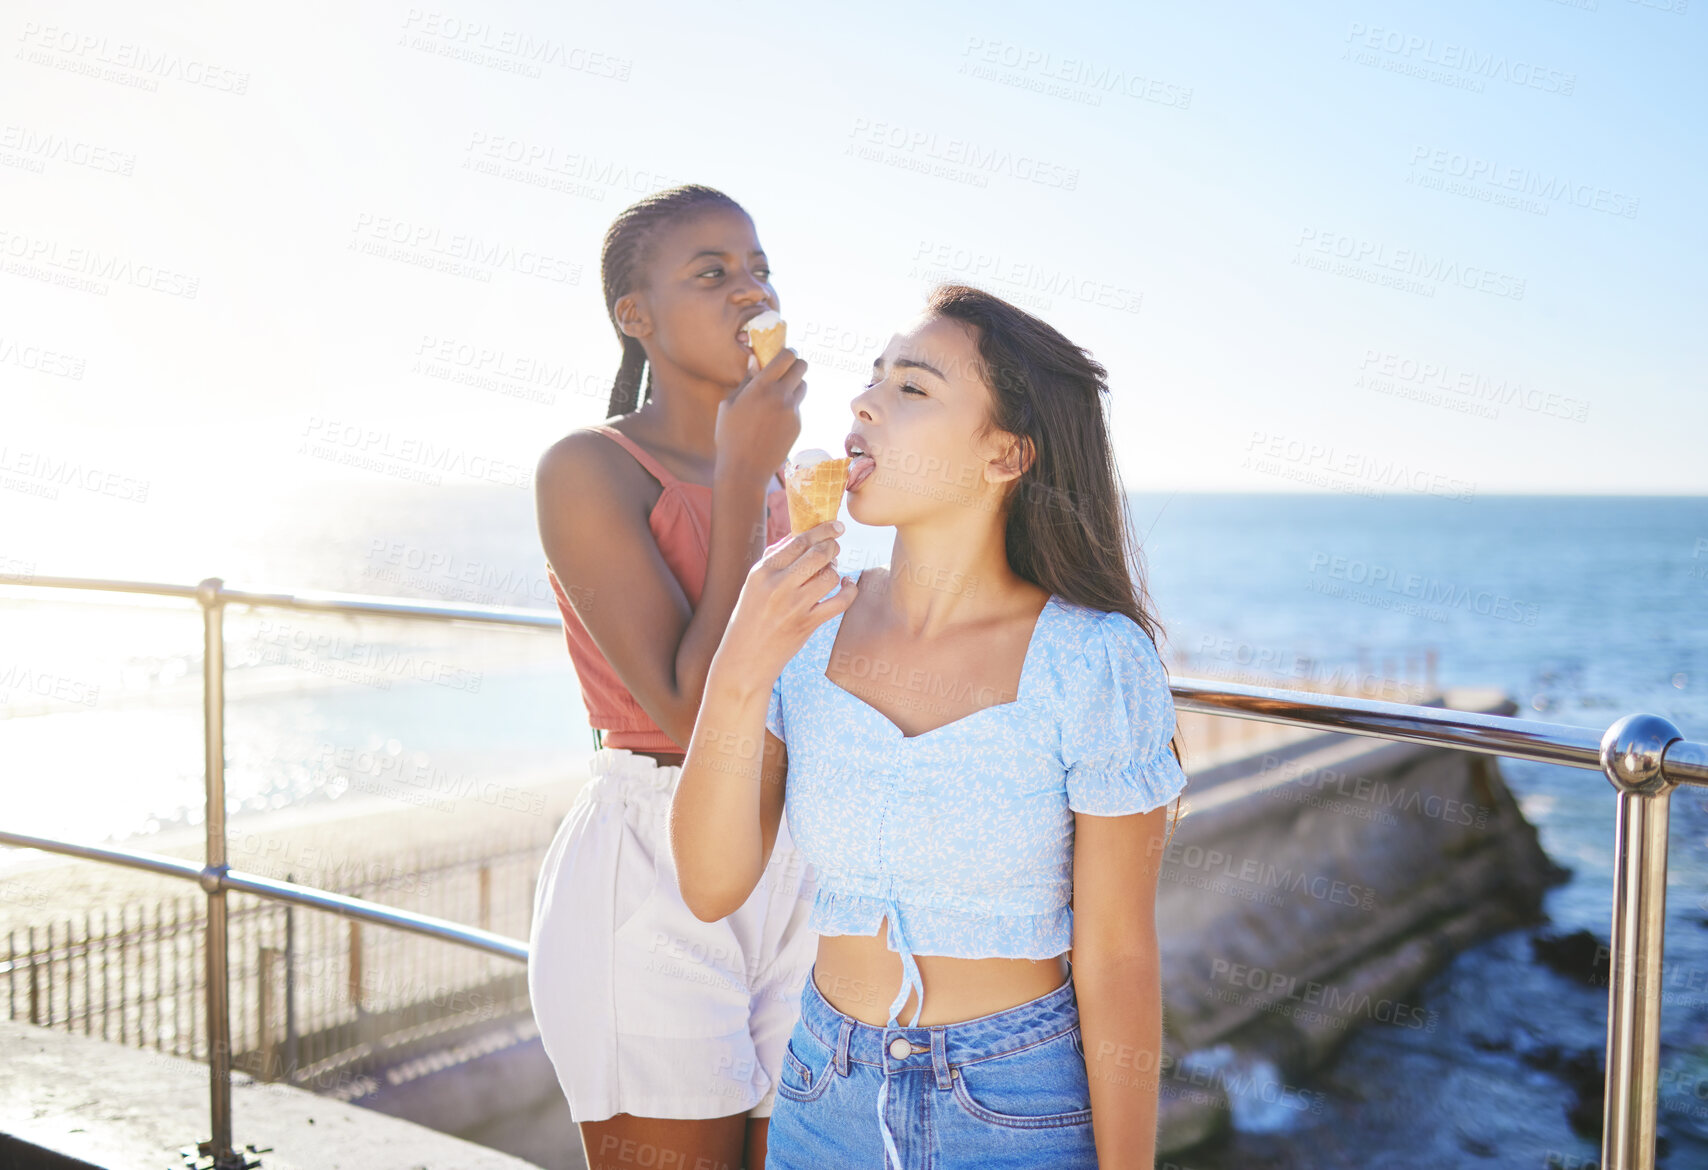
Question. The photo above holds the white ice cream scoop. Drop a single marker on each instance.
(769, 319)
(809, 457)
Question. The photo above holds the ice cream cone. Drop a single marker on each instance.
(765, 334)
(814, 488)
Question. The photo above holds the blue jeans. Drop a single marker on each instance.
(1004, 1090)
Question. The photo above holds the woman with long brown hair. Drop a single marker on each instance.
(975, 748)
(666, 1032)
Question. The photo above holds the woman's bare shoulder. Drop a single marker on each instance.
(586, 464)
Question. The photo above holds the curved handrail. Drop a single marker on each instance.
(216, 879)
(1643, 756)
(308, 600)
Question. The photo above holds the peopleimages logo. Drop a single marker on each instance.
(961, 152)
(1428, 590)
(1410, 262)
(972, 264)
(513, 50)
(132, 64)
(44, 147)
(1309, 991)
(1267, 452)
(17, 679)
(88, 269)
(1417, 52)
(1522, 181)
(42, 473)
(376, 448)
(43, 361)
(1079, 80)
(558, 168)
(464, 253)
(1467, 385)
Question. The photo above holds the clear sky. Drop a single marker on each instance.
(1458, 246)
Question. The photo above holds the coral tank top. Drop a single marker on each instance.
(681, 523)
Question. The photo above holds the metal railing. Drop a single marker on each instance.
(317, 1000)
(1643, 756)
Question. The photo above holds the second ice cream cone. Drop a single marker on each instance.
(815, 492)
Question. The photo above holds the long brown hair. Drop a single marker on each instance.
(623, 261)
(1066, 529)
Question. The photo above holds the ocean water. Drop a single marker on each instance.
(1583, 609)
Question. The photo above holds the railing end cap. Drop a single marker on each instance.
(1631, 752)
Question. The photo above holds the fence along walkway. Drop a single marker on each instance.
(321, 1002)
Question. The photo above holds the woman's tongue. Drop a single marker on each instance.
(859, 468)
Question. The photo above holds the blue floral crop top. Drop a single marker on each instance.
(963, 835)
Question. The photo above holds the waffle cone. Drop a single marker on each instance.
(767, 343)
(815, 492)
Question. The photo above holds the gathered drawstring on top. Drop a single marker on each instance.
(909, 979)
(909, 969)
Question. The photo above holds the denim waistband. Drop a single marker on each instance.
(857, 1042)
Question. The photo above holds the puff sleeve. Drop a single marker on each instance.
(1117, 721)
(774, 712)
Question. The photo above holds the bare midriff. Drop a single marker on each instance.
(860, 976)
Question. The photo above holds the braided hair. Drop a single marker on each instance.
(622, 269)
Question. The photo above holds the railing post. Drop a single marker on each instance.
(1631, 755)
(290, 1074)
(355, 973)
(208, 594)
(35, 994)
(267, 966)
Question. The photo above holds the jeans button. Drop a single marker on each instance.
(900, 1048)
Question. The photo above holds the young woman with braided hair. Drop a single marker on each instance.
(666, 1032)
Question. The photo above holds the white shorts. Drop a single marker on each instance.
(643, 1008)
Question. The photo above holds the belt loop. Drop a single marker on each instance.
(940, 1055)
(844, 1030)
